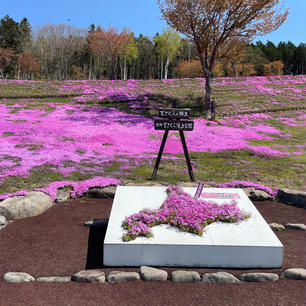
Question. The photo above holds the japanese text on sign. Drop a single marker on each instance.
(174, 113)
(173, 125)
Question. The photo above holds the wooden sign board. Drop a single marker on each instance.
(173, 125)
(173, 121)
(174, 113)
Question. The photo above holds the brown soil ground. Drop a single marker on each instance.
(57, 243)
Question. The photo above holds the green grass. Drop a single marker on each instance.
(230, 165)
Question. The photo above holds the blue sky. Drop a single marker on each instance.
(141, 16)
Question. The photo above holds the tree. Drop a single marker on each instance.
(25, 35)
(189, 69)
(231, 54)
(287, 52)
(27, 64)
(274, 68)
(129, 50)
(145, 64)
(255, 56)
(109, 44)
(5, 58)
(299, 60)
(168, 45)
(9, 34)
(57, 46)
(212, 23)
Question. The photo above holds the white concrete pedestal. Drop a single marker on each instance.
(249, 244)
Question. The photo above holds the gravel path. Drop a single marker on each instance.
(57, 243)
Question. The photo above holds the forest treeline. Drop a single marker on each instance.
(59, 52)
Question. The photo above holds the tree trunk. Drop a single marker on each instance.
(166, 68)
(161, 69)
(208, 104)
(209, 108)
(90, 67)
(2, 74)
(124, 70)
(234, 69)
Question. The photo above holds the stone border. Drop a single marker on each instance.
(151, 274)
(296, 198)
(285, 196)
(290, 197)
(280, 227)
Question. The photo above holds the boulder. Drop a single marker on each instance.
(121, 276)
(181, 276)
(295, 273)
(257, 194)
(296, 226)
(19, 207)
(89, 276)
(259, 277)
(219, 277)
(3, 222)
(102, 192)
(54, 279)
(63, 194)
(18, 277)
(293, 197)
(276, 226)
(152, 274)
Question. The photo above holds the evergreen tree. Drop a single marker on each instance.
(299, 59)
(287, 51)
(255, 56)
(25, 35)
(10, 36)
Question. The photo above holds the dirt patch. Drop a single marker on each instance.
(57, 243)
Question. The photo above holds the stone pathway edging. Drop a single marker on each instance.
(153, 274)
(10, 207)
(280, 227)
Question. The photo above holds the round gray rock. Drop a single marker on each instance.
(54, 279)
(219, 277)
(102, 192)
(121, 276)
(259, 277)
(3, 222)
(89, 276)
(296, 226)
(152, 274)
(295, 273)
(276, 226)
(181, 276)
(63, 194)
(18, 277)
(19, 207)
(294, 197)
(256, 194)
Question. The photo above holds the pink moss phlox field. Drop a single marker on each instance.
(77, 188)
(181, 211)
(98, 135)
(72, 137)
(242, 184)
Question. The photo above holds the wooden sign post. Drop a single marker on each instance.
(175, 120)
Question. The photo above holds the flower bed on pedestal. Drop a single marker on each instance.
(183, 212)
(230, 240)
